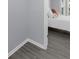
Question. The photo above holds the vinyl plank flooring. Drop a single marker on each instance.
(58, 48)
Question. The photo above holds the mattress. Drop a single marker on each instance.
(60, 22)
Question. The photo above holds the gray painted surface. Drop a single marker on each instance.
(17, 22)
(36, 20)
(58, 48)
(55, 4)
(26, 20)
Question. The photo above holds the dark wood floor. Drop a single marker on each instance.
(58, 48)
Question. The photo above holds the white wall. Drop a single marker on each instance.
(46, 10)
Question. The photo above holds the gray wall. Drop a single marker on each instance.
(26, 20)
(55, 4)
(17, 22)
(36, 20)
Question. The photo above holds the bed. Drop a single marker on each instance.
(60, 22)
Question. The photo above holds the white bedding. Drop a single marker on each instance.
(60, 22)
